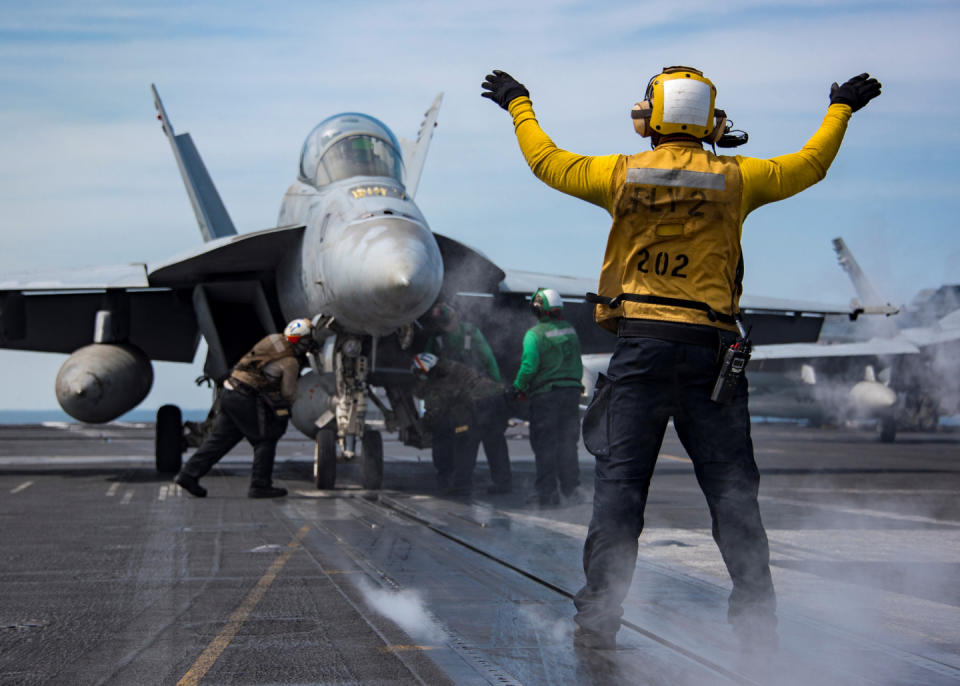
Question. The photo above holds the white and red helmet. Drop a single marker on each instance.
(297, 329)
(423, 363)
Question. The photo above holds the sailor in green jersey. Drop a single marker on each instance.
(550, 374)
(461, 342)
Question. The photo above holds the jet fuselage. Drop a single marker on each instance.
(367, 256)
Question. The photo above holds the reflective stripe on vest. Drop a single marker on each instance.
(675, 235)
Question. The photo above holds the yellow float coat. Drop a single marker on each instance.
(677, 211)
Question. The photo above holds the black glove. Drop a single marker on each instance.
(856, 92)
(502, 88)
(515, 395)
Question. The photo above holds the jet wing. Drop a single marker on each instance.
(569, 287)
(234, 256)
(58, 313)
(517, 281)
(154, 303)
(934, 335)
(771, 320)
(877, 347)
(124, 276)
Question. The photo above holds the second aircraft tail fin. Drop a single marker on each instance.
(870, 300)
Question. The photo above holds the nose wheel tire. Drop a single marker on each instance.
(168, 443)
(325, 459)
(372, 467)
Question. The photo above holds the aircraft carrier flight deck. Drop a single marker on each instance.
(113, 575)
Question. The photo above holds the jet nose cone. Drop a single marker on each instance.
(396, 273)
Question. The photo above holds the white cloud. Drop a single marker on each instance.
(86, 176)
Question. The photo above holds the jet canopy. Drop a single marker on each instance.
(347, 145)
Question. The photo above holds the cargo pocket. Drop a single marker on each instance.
(596, 433)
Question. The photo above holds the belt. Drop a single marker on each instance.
(232, 384)
(695, 334)
(614, 303)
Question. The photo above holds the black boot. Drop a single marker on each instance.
(266, 492)
(190, 484)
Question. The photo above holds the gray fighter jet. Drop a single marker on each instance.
(901, 370)
(352, 252)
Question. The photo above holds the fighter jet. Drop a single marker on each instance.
(902, 372)
(352, 252)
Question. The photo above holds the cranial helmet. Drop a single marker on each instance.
(546, 301)
(443, 315)
(298, 329)
(680, 100)
(423, 363)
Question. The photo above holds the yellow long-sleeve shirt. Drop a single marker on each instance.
(596, 178)
(688, 248)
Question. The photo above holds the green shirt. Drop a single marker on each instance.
(551, 358)
(465, 344)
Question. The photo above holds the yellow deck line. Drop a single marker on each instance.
(240, 615)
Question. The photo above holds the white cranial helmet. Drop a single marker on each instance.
(297, 329)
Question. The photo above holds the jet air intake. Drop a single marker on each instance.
(101, 381)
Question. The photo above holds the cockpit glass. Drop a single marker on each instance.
(359, 155)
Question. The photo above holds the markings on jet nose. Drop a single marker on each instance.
(22, 487)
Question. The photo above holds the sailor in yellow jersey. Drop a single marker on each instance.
(670, 287)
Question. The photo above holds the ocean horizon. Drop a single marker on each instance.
(58, 415)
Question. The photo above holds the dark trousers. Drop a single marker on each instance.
(241, 416)
(455, 453)
(652, 380)
(554, 431)
(451, 447)
(489, 425)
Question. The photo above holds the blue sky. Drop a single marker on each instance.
(87, 178)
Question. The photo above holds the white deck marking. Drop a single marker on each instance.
(22, 487)
(112, 491)
(127, 497)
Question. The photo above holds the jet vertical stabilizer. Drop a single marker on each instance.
(866, 292)
(212, 216)
(415, 153)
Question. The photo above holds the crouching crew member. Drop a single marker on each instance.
(463, 408)
(670, 287)
(255, 404)
(460, 341)
(550, 373)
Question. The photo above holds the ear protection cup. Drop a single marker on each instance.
(641, 117)
(720, 126)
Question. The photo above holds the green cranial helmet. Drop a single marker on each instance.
(546, 301)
